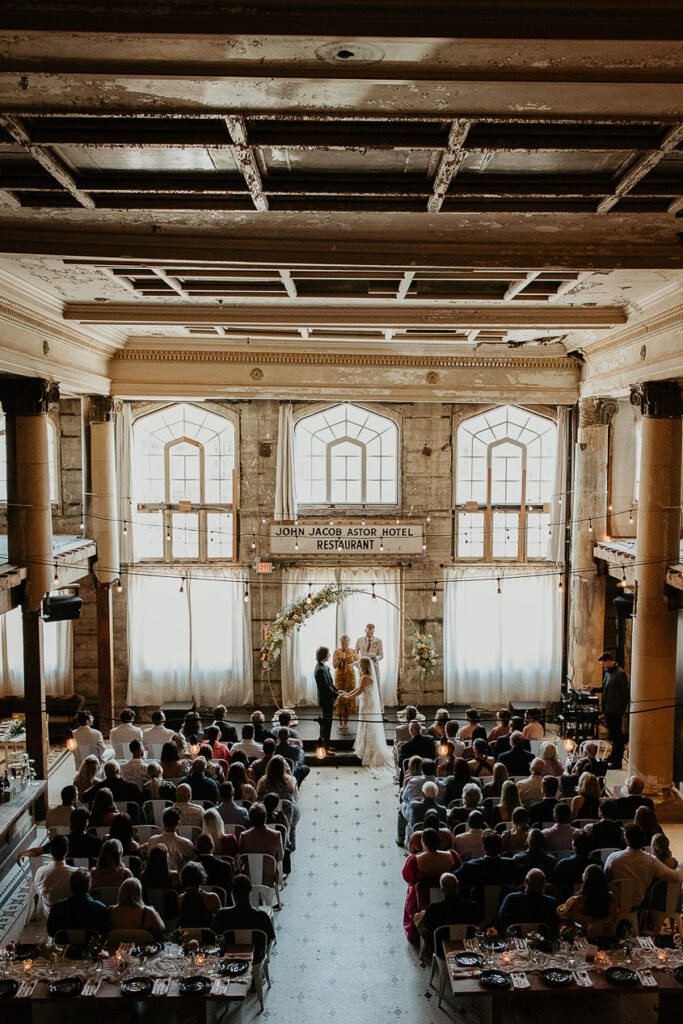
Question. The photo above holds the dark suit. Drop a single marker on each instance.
(517, 761)
(420, 746)
(615, 700)
(502, 745)
(236, 918)
(228, 732)
(120, 789)
(482, 871)
(528, 907)
(327, 695)
(628, 805)
(569, 872)
(78, 912)
(542, 810)
(605, 833)
(450, 910)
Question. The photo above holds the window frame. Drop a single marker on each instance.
(523, 510)
(201, 509)
(356, 507)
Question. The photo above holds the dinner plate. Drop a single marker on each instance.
(621, 976)
(495, 979)
(556, 977)
(25, 951)
(8, 987)
(233, 968)
(469, 959)
(66, 987)
(196, 985)
(678, 974)
(137, 986)
(148, 949)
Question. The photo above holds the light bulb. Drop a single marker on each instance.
(590, 525)
(568, 744)
(194, 749)
(331, 522)
(253, 545)
(630, 517)
(434, 594)
(609, 507)
(397, 520)
(559, 585)
(623, 581)
(71, 743)
(381, 545)
(309, 596)
(424, 545)
(263, 519)
(119, 588)
(362, 522)
(443, 750)
(55, 581)
(125, 528)
(82, 526)
(429, 519)
(246, 594)
(607, 538)
(499, 591)
(296, 545)
(168, 535)
(320, 751)
(374, 595)
(182, 586)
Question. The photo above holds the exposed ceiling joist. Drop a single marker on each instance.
(449, 164)
(246, 160)
(642, 166)
(47, 160)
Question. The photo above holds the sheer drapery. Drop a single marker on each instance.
(57, 656)
(327, 626)
(191, 644)
(285, 477)
(503, 647)
(124, 481)
(558, 505)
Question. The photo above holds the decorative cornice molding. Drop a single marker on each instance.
(594, 412)
(32, 320)
(663, 321)
(658, 399)
(159, 355)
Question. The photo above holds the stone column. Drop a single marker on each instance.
(25, 401)
(589, 508)
(102, 525)
(655, 618)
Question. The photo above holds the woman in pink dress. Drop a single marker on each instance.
(422, 872)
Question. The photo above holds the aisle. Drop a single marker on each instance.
(341, 953)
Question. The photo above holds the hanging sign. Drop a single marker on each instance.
(372, 539)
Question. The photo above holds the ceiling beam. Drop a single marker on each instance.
(404, 286)
(395, 316)
(641, 167)
(246, 160)
(289, 285)
(449, 164)
(47, 160)
(516, 287)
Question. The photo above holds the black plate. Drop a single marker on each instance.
(148, 949)
(195, 986)
(8, 987)
(556, 977)
(233, 968)
(495, 979)
(137, 986)
(469, 959)
(25, 951)
(678, 974)
(621, 976)
(66, 987)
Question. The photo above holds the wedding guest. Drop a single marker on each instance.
(470, 844)
(131, 912)
(277, 780)
(498, 777)
(81, 842)
(403, 731)
(261, 730)
(502, 726)
(437, 729)
(516, 759)
(60, 816)
(558, 837)
(247, 744)
(509, 801)
(446, 764)
(259, 838)
(456, 782)
(607, 831)
(452, 909)
(120, 789)
(533, 730)
(542, 810)
(531, 788)
(244, 916)
(202, 787)
(481, 765)
(157, 874)
(79, 910)
(87, 775)
(569, 870)
(593, 906)
(245, 793)
(197, 908)
(515, 839)
(472, 717)
(218, 871)
(471, 800)
(418, 808)
(191, 729)
(126, 731)
(646, 820)
(228, 732)
(86, 736)
(171, 764)
(629, 804)
(224, 845)
(431, 820)
(503, 743)
(230, 812)
(420, 871)
(135, 770)
(110, 871)
(258, 767)
(188, 813)
(551, 762)
(179, 849)
(285, 722)
(219, 749)
(156, 788)
(535, 856)
(103, 810)
(290, 751)
(588, 795)
(531, 905)
(490, 869)
(122, 829)
(418, 744)
(158, 734)
(52, 881)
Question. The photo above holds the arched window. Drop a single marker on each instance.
(505, 472)
(346, 455)
(51, 455)
(184, 485)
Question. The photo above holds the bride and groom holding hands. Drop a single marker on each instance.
(370, 744)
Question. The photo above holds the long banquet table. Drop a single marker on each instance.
(668, 991)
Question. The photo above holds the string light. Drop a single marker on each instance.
(55, 582)
(623, 582)
(119, 588)
(374, 595)
(246, 592)
(362, 522)
(590, 525)
(309, 595)
(381, 545)
(630, 516)
(435, 596)
(125, 527)
(296, 545)
(320, 751)
(609, 507)
(442, 749)
(429, 518)
(194, 747)
(182, 585)
(569, 744)
(82, 526)
(499, 591)
(559, 585)
(331, 522)
(398, 521)
(253, 544)
(263, 519)
(71, 743)
(607, 538)
(424, 545)
(168, 534)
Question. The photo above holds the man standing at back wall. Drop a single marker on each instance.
(615, 700)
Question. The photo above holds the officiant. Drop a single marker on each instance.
(370, 646)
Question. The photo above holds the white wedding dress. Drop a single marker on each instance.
(371, 746)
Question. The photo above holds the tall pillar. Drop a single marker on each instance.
(655, 616)
(102, 525)
(25, 401)
(589, 509)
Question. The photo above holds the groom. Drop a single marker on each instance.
(327, 694)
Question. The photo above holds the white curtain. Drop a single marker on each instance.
(285, 481)
(503, 647)
(57, 656)
(124, 481)
(326, 627)
(191, 644)
(558, 506)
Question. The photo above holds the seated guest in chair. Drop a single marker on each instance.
(197, 908)
(633, 865)
(244, 916)
(593, 906)
(291, 751)
(569, 870)
(201, 786)
(529, 906)
(421, 871)
(531, 788)
(218, 871)
(285, 722)
(419, 744)
(188, 813)
(533, 730)
(126, 731)
(121, 789)
(431, 820)
(60, 816)
(131, 911)
(158, 734)
(228, 732)
(261, 839)
(607, 831)
(542, 810)
(516, 759)
(259, 766)
(86, 736)
(558, 837)
(502, 726)
(503, 744)
(219, 750)
(261, 730)
(52, 881)
(79, 910)
(135, 770)
(179, 848)
(247, 744)
(429, 802)
(491, 869)
(81, 842)
(230, 812)
(629, 804)
(452, 909)
(535, 856)
(470, 844)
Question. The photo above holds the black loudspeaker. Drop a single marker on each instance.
(58, 607)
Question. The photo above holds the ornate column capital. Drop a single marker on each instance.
(27, 396)
(660, 399)
(595, 412)
(102, 409)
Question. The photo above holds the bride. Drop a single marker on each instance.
(371, 745)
